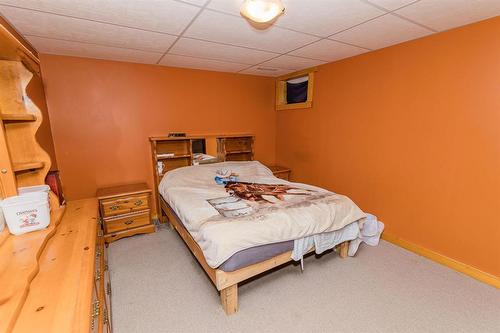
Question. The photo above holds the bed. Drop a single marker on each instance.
(239, 246)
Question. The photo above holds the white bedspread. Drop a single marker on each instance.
(188, 189)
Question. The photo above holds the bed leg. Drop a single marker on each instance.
(167, 220)
(344, 248)
(229, 299)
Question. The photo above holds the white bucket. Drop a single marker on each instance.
(26, 212)
(34, 189)
(37, 188)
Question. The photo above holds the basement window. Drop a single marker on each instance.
(295, 91)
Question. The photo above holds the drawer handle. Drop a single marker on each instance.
(95, 313)
(114, 207)
(138, 203)
(129, 222)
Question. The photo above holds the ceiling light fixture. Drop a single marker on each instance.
(262, 11)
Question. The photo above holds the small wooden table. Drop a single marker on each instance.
(125, 211)
(280, 172)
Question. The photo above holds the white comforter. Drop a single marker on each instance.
(188, 189)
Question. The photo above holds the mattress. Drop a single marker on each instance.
(254, 255)
(229, 243)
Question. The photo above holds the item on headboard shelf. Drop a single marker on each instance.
(167, 155)
(199, 158)
(159, 167)
(176, 135)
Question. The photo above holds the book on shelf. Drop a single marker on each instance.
(166, 155)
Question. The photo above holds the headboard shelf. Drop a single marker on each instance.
(159, 157)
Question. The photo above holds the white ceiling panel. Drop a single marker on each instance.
(381, 32)
(266, 71)
(166, 16)
(61, 27)
(290, 62)
(326, 17)
(210, 50)
(61, 47)
(318, 17)
(200, 63)
(328, 50)
(195, 2)
(227, 6)
(391, 4)
(447, 14)
(228, 29)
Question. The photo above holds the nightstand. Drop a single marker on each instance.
(280, 172)
(125, 211)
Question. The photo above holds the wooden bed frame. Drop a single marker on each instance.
(242, 146)
(227, 282)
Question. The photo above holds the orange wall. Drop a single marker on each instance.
(412, 134)
(102, 113)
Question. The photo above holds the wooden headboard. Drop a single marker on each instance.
(169, 153)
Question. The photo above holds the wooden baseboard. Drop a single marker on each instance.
(443, 260)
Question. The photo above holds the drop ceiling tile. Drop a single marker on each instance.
(166, 16)
(233, 30)
(318, 17)
(195, 2)
(326, 17)
(210, 50)
(328, 50)
(227, 6)
(266, 71)
(391, 4)
(381, 32)
(199, 63)
(61, 47)
(446, 14)
(290, 62)
(61, 27)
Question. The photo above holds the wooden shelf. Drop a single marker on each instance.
(27, 166)
(238, 152)
(173, 157)
(17, 117)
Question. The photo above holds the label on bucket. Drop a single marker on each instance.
(28, 218)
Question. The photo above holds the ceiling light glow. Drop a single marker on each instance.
(262, 11)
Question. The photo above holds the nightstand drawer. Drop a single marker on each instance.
(127, 222)
(124, 205)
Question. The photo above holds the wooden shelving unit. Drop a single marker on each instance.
(235, 148)
(17, 117)
(22, 161)
(32, 264)
(27, 166)
(183, 156)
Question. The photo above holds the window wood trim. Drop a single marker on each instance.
(281, 103)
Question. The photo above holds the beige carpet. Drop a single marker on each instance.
(159, 287)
